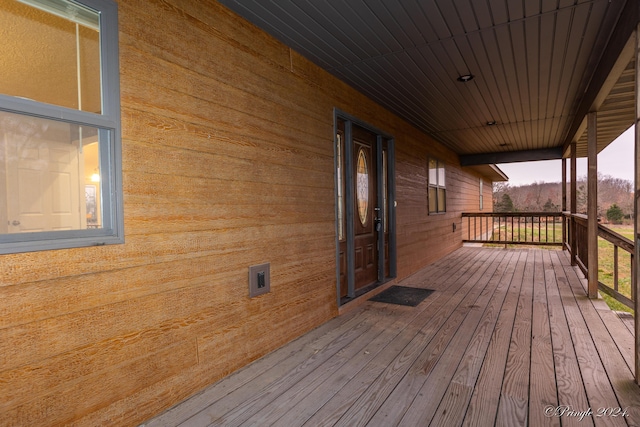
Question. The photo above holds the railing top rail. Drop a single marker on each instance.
(578, 216)
(580, 219)
(615, 238)
(513, 214)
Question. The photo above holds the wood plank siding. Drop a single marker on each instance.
(228, 162)
(507, 339)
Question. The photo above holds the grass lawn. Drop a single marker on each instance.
(605, 267)
(528, 232)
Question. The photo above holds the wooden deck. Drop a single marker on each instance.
(509, 338)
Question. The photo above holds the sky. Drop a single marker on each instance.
(616, 160)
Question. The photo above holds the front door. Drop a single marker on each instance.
(366, 216)
(363, 209)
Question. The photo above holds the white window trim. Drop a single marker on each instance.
(109, 127)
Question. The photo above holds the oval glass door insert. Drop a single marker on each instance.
(362, 186)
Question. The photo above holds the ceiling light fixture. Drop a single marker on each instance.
(491, 123)
(466, 78)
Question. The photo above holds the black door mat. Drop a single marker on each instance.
(402, 295)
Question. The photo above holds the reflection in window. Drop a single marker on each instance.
(50, 53)
(362, 186)
(437, 188)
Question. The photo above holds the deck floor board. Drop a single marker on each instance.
(507, 338)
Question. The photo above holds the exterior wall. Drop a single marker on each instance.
(471, 194)
(228, 162)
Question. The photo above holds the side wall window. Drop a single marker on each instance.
(481, 194)
(60, 155)
(437, 187)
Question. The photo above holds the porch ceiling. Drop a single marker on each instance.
(538, 65)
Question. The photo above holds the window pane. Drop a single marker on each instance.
(433, 172)
(49, 175)
(442, 200)
(50, 53)
(433, 200)
(441, 176)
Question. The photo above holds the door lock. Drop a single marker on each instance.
(377, 221)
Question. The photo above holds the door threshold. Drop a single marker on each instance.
(362, 295)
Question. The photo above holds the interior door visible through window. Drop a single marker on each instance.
(42, 186)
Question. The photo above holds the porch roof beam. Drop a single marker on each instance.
(511, 156)
(621, 34)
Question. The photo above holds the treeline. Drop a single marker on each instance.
(614, 195)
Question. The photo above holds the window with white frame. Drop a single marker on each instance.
(60, 155)
(437, 187)
(481, 194)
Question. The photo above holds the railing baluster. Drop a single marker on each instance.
(512, 229)
(633, 288)
(615, 267)
(475, 234)
(493, 228)
(546, 229)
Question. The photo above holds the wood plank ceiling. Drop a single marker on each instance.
(532, 62)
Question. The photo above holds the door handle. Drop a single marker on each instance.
(15, 222)
(377, 221)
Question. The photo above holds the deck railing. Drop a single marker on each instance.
(514, 228)
(582, 241)
(619, 242)
(552, 228)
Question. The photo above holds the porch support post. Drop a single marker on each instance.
(574, 205)
(563, 207)
(636, 264)
(592, 204)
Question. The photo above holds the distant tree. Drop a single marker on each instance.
(582, 198)
(549, 206)
(615, 214)
(536, 196)
(499, 188)
(505, 204)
